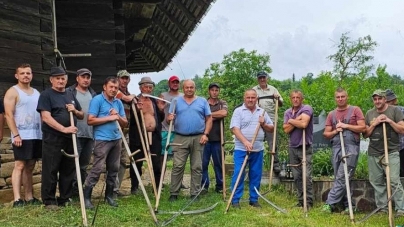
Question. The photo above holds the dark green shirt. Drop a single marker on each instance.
(376, 142)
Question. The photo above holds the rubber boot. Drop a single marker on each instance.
(109, 194)
(87, 191)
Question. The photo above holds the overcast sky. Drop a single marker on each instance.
(298, 35)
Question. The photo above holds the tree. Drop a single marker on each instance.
(353, 57)
(160, 87)
(236, 73)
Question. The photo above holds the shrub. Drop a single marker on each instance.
(322, 165)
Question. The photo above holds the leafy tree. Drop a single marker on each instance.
(353, 57)
(160, 87)
(236, 73)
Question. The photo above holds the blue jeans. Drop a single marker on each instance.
(255, 172)
(212, 149)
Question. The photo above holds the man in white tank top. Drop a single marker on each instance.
(24, 122)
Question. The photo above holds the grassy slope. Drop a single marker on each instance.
(132, 211)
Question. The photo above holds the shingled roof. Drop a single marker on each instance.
(138, 35)
(157, 30)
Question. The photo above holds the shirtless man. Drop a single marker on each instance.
(153, 115)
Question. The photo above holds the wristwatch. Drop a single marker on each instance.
(206, 134)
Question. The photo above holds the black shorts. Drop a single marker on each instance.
(30, 149)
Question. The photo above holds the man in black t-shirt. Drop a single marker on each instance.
(55, 105)
(212, 148)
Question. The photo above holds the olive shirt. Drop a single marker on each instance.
(214, 134)
(376, 143)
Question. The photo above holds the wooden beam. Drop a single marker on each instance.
(155, 52)
(165, 31)
(183, 9)
(172, 19)
(160, 42)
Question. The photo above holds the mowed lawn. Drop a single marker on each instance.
(133, 211)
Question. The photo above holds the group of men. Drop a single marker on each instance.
(42, 126)
(383, 123)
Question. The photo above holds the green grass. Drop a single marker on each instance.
(132, 211)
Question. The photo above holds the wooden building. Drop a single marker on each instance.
(137, 35)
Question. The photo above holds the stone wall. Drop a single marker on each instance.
(363, 193)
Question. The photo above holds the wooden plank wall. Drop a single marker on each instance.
(102, 36)
(25, 37)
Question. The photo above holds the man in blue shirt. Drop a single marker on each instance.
(103, 113)
(192, 124)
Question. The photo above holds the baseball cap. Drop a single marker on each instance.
(57, 71)
(84, 71)
(390, 95)
(174, 78)
(262, 73)
(213, 85)
(122, 73)
(379, 92)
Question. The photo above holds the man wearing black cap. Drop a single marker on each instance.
(153, 112)
(212, 148)
(55, 105)
(266, 100)
(393, 118)
(391, 99)
(85, 143)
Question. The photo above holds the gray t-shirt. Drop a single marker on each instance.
(167, 96)
(84, 130)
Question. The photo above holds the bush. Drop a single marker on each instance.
(362, 171)
(322, 165)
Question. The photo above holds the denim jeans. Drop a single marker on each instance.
(212, 149)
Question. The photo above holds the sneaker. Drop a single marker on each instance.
(236, 205)
(327, 208)
(19, 203)
(51, 207)
(399, 213)
(34, 201)
(255, 204)
(173, 198)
